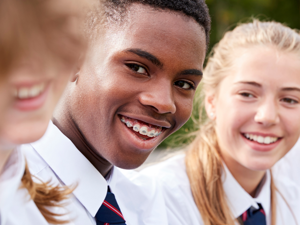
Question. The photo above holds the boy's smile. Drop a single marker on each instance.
(137, 85)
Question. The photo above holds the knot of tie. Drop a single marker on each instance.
(254, 216)
(109, 212)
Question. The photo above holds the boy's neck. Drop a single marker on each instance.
(68, 127)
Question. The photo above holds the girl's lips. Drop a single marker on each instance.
(32, 103)
(259, 146)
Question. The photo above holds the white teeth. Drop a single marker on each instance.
(136, 127)
(29, 92)
(149, 131)
(23, 93)
(261, 139)
(267, 140)
(128, 124)
(143, 130)
(34, 91)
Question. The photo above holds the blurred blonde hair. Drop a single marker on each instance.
(203, 159)
(51, 29)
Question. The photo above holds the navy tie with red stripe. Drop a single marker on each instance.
(254, 216)
(109, 212)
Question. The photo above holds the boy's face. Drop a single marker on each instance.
(137, 84)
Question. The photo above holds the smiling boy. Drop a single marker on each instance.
(135, 88)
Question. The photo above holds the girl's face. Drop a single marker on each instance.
(32, 89)
(257, 109)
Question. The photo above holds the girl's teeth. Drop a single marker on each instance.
(23, 93)
(29, 92)
(261, 139)
(267, 140)
(34, 91)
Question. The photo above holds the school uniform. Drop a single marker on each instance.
(54, 157)
(289, 165)
(16, 207)
(181, 208)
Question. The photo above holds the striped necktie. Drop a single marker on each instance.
(254, 216)
(109, 212)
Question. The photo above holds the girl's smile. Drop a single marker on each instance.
(262, 102)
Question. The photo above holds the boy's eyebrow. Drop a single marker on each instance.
(146, 55)
(192, 72)
(158, 63)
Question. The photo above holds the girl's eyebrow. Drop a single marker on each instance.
(249, 82)
(259, 85)
(290, 89)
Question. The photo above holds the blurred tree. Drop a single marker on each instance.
(226, 14)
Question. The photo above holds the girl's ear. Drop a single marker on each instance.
(210, 106)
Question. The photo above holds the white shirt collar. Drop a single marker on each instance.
(72, 167)
(239, 200)
(10, 180)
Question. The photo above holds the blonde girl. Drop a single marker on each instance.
(41, 46)
(251, 96)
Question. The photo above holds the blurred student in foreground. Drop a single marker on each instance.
(41, 46)
(251, 92)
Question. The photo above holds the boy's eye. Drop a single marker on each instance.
(289, 100)
(137, 68)
(184, 85)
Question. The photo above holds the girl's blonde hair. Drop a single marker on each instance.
(52, 29)
(46, 196)
(203, 159)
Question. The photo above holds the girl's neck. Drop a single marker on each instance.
(4, 155)
(248, 179)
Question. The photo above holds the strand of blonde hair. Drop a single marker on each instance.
(46, 196)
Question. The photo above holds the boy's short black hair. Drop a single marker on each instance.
(196, 9)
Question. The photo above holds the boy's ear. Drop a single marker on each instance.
(210, 106)
(75, 75)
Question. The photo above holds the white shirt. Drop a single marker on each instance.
(16, 207)
(54, 157)
(181, 208)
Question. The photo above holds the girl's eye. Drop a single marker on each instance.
(247, 95)
(137, 68)
(184, 85)
(289, 101)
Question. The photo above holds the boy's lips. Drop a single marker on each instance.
(142, 129)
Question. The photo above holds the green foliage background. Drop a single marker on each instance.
(226, 14)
